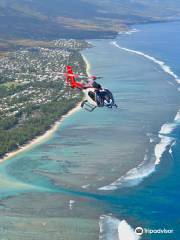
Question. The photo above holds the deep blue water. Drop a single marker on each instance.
(158, 40)
(105, 143)
(155, 202)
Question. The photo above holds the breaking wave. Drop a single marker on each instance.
(162, 64)
(112, 228)
(129, 32)
(161, 147)
(166, 140)
(134, 176)
(177, 117)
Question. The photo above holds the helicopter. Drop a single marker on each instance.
(95, 95)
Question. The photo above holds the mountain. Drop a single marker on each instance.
(152, 9)
(46, 19)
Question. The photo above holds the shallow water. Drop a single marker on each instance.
(61, 179)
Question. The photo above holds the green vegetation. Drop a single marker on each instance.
(14, 134)
(80, 19)
(33, 95)
(9, 85)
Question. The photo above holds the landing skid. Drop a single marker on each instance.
(87, 106)
(111, 106)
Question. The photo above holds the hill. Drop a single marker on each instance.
(45, 19)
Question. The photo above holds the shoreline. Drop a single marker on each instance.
(40, 139)
(88, 66)
(47, 134)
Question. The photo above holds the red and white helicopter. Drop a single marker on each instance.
(96, 96)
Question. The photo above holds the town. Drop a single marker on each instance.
(32, 84)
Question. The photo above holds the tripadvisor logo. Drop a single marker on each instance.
(140, 231)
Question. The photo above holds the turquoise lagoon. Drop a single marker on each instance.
(102, 174)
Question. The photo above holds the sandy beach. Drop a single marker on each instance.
(94, 175)
(88, 66)
(40, 139)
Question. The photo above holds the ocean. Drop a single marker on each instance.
(103, 174)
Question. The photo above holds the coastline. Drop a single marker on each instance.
(40, 139)
(88, 66)
(117, 216)
(46, 135)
